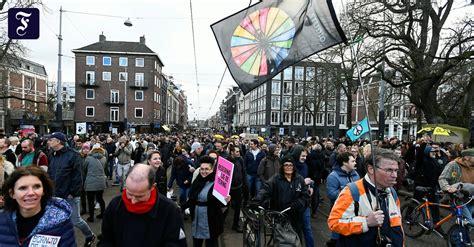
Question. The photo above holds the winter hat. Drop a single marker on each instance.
(467, 152)
(86, 145)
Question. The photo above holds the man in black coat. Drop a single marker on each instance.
(141, 216)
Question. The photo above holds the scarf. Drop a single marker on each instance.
(141, 207)
(198, 184)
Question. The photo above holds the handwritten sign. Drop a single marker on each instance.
(223, 179)
(40, 240)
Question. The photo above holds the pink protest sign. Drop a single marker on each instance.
(223, 179)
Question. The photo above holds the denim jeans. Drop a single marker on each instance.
(315, 199)
(111, 167)
(183, 193)
(467, 213)
(307, 230)
(76, 217)
(253, 179)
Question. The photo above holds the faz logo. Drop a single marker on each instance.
(23, 23)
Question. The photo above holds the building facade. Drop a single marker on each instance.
(118, 86)
(24, 96)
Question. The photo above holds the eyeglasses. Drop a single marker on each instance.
(388, 171)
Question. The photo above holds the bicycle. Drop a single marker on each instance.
(417, 219)
(252, 222)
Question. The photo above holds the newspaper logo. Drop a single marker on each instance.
(23, 23)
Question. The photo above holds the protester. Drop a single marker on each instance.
(124, 156)
(30, 156)
(252, 159)
(270, 164)
(317, 173)
(360, 228)
(206, 210)
(238, 185)
(6, 151)
(32, 213)
(110, 148)
(287, 189)
(6, 169)
(95, 180)
(65, 170)
(342, 174)
(154, 161)
(182, 174)
(141, 216)
(461, 170)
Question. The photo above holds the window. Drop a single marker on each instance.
(123, 76)
(139, 95)
(310, 74)
(396, 111)
(286, 102)
(299, 72)
(308, 118)
(320, 118)
(106, 76)
(107, 61)
(276, 87)
(123, 61)
(138, 112)
(343, 106)
(298, 88)
(90, 77)
(114, 114)
(139, 79)
(331, 105)
(342, 119)
(287, 73)
(297, 118)
(331, 119)
(287, 87)
(90, 111)
(90, 93)
(275, 102)
(275, 117)
(114, 96)
(139, 62)
(90, 60)
(286, 118)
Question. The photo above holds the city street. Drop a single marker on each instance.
(232, 238)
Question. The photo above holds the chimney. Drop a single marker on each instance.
(142, 39)
(102, 37)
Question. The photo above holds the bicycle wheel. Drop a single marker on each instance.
(412, 220)
(458, 236)
(249, 234)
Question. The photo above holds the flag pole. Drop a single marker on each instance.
(366, 111)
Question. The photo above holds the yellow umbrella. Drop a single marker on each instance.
(235, 137)
(260, 139)
(217, 136)
(437, 131)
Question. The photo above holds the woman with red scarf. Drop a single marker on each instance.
(141, 216)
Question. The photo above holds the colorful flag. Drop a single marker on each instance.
(259, 42)
(357, 131)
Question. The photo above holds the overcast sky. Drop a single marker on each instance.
(167, 29)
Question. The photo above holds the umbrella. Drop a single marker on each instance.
(437, 131)
(235, 137)
(242, 135)
(217, 136)
(260, 139)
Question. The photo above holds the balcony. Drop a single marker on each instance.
(89, 84)
(138, 84)
(112, 101)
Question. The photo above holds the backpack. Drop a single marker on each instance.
(355, 196)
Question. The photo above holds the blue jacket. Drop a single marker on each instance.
(65, 169)
(56, 221)
(182, 174)
(251, 163)
(337, 180)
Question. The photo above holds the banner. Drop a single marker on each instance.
(357, 131)
(259, 42)
(81, 128)
(223, 180)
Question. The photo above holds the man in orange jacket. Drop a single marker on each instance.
(377, 206)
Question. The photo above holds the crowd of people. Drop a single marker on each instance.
(49, 182)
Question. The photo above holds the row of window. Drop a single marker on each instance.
(123, 61)
(115, 95)
(107, 76)
(114, 113)
(286, 118)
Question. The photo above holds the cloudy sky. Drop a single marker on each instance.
(167, 29)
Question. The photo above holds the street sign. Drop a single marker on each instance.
(282, 131)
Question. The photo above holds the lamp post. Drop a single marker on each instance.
(125, 118)
(59, 106)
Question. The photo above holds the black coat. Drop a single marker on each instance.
(65, 169)
(215, 216)
(159, 227)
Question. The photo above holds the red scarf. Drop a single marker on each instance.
(141, 207)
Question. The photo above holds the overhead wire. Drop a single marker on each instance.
(194, 51)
